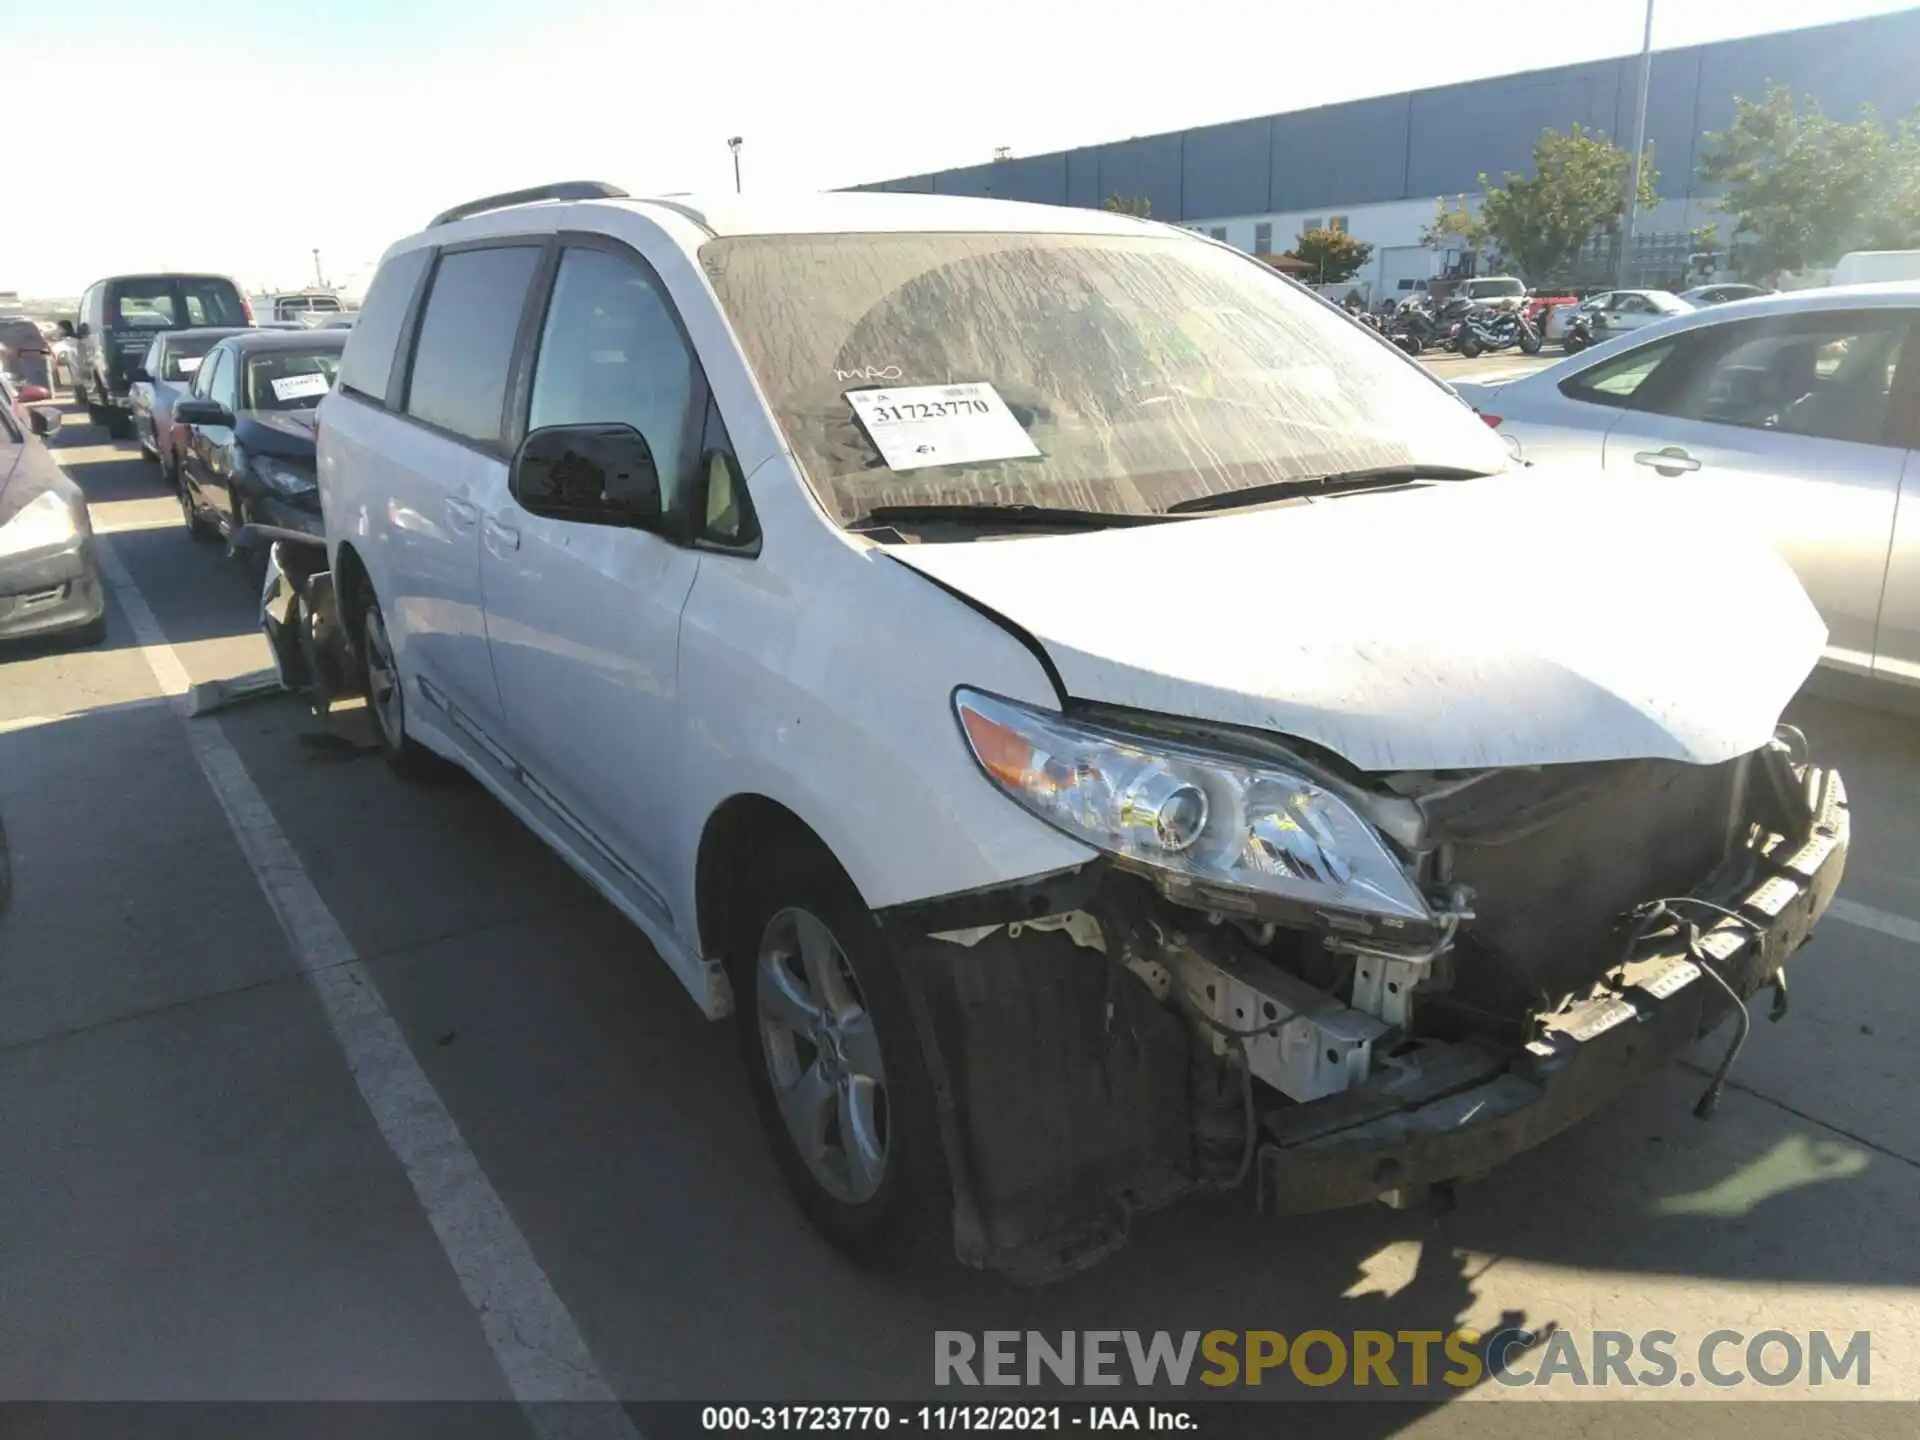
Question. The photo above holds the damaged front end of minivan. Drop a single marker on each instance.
(1331, 986)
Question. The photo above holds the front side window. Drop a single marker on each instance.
(152, 362)
(208, 378)
(1829, 377)
(460, 362)
(290, 380)
(1089, 372)
(611, 353)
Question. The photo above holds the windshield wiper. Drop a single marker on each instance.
(1013, 516)
(1321, 484)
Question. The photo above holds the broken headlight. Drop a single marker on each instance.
(1245, 824)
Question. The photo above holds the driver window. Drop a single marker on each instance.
(203, 381)
(610, 352)
(1828, 377)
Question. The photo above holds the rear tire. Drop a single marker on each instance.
(823, 1017)
(1470, 346)
(119, 423)
(387, 697)
(197, 526)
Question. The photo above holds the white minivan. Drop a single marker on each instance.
(1108, 726)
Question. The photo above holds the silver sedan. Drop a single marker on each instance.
(1798, 412)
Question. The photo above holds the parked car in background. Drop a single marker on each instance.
(1613, 311)
(1722, 292)
(119, 317)
(26, 359)
(164, 375)
(1798, 414)
(1502, 291)
(302, 304)
(629, 505)
(245, 447)
(1868, 267)
(49, 570)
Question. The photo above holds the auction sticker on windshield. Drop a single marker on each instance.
(188, 364)
(916, 426)
(298, 387)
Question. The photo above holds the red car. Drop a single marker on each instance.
(25, 359)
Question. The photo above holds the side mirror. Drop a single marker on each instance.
(138, 373)
(65, 330)
(44, 420)
(82, 330)
(197, 410)
(591, 474)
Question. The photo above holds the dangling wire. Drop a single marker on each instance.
(1654, 911)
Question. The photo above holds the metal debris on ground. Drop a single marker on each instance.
(210, 696)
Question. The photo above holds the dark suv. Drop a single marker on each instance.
(119, 317)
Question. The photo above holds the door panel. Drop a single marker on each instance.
(1785, 423)
(1896, 651)
(1826, 505)
(583, 619)
(445, 467)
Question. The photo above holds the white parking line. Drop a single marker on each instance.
(539, 1348)
(1868, 918)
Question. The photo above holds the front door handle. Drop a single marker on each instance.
(462, 515)
(1670, 461)
(501, 538)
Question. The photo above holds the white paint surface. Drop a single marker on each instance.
(1512, 620)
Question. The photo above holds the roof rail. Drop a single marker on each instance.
(559, 190)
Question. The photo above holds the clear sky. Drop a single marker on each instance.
(238, 135)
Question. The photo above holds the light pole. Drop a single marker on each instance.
(734, 145)
(1639, 150)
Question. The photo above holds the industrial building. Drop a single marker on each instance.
(1378, 167)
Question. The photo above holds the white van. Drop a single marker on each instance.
(1108, 726)
(1868, 267)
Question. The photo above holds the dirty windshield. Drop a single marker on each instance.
(1083, 372)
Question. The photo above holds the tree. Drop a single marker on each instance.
(1455, 221)
(1130, 205)
(1539, 223)
(1804, 188)
(1333, 254)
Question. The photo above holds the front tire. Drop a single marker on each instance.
(119, 423)
(834, 1061)
(1529, 342)
(387, 698)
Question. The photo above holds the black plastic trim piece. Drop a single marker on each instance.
(558, 190)
(1054, 894)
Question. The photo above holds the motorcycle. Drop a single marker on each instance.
(1578, 334)
(1483, 330)
(1413, 329)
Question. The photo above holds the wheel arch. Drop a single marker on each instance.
(740, 828)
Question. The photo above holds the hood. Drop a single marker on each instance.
(286, 433)
(1537, 617)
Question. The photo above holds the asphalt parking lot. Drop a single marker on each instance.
(197, 1201)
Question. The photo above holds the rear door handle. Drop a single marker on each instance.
(463, 515)
(501, 538)
(1670, 461)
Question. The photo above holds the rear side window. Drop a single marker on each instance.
(164, 302)
(465, 349)
(368, 364)
(1618, 381)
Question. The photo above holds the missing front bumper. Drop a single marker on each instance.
(1457, 1110)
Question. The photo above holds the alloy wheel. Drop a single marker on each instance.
(823, 1055)
(383, 680)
